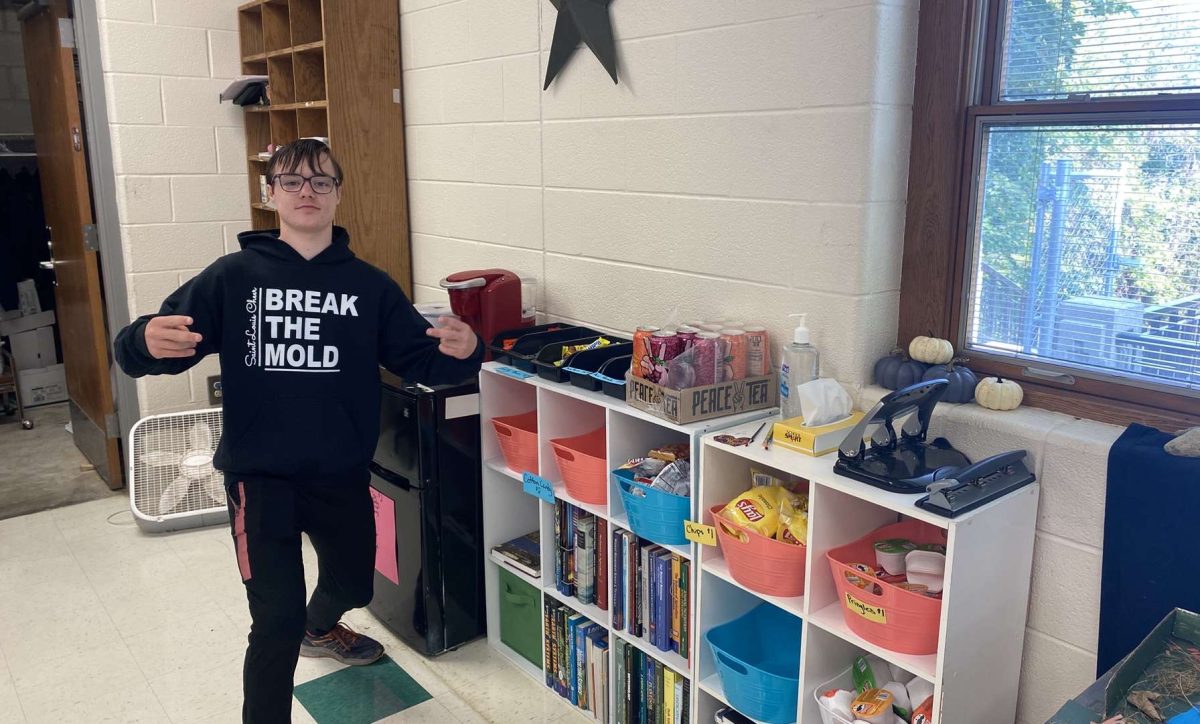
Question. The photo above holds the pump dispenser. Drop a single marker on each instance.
(801, 363)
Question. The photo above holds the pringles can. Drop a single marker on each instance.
(758, 358)
(641, 351)
(736, 355)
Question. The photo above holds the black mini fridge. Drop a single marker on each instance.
(426, 485)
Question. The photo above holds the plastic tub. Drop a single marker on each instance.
(612, 376)
(657, 516)
(760, 563)
(758, 660)
(502, 344)
(545, 361)
(517, 435)
(896, 619)
(584, 365)
(581, 460)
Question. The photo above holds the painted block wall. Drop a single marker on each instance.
(752, 162)
(179, 156)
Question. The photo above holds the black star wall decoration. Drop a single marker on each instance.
(585, 20)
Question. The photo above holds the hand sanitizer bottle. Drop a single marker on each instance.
(801, 363)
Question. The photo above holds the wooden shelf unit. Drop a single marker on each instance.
(976, 669)
(333, 71)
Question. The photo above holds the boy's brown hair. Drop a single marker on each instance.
(290, 156)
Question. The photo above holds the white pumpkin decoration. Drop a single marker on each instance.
(997, 393)
(931, 350)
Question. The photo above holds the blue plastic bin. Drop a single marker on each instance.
(658, 516)
(758, 660)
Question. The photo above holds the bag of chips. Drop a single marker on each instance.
(756, 509)
(793, 518)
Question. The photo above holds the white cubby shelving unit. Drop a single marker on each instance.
(565, 411)
(976, 669)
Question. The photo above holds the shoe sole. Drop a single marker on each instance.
(314, 652)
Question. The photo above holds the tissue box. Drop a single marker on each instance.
(815, 441)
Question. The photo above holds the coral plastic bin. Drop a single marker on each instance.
(656, 516)
(758, 660)
(517, 435)
(760, 563)
(897, 620)
(581, 460)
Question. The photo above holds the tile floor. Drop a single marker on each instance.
(102, 623)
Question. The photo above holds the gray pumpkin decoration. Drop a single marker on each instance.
(897, 370)
(962, 380)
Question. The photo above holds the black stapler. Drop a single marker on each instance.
(904, 464)
(956, 492)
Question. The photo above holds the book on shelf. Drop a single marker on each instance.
(523, 554)
(585, 556)
(650, 592)
(602, 564)
(577, 659)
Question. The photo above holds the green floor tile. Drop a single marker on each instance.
(361, 694)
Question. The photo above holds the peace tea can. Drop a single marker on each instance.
(641, 351)
(736, 354)
(758, 356)
(706, 357)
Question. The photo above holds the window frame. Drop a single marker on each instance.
(955, 99)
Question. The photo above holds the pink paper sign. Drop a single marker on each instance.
(385, 536)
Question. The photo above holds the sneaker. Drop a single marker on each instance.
(343, 644)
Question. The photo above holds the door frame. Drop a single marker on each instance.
(102, 174)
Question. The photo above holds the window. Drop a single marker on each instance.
(1072, 249)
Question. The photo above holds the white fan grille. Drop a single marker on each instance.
(171, 470)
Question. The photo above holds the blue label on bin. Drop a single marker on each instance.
(538, 487)
(514, 373)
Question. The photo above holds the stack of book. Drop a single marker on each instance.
(523, 554)
(581, 560)
(577, 659)
(650, 593)
(648, 692)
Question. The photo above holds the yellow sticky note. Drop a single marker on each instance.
(705, 535)
(872, 613)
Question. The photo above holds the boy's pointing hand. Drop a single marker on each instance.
(457, 338)
(169, 336)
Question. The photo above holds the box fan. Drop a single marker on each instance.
(172, 482)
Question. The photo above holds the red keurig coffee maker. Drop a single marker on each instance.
(489, 300)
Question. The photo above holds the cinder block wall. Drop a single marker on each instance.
(14, 90)
(179, 156)
(752, 162)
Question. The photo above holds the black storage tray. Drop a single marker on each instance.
(496, 345)
(615, 369)
(526, 350)
(592, 360)
(544, 363)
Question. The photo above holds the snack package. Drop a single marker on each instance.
(645, 470)
(671, 453)
(793, 518)
(758, 477)
(756, 509)
(675, 479)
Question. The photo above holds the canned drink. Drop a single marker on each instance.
(641, 351)
(758, 360)
(706, 358)
(664, 347)
(688, 335)
(735, 354)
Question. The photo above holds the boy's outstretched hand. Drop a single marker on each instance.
(169, 336)
(457, 338)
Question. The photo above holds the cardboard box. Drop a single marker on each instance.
(34, 349)
(43, 386)
(703, 403)
(25, 323)
(815, 441)
(1107, 695)
(27, 293)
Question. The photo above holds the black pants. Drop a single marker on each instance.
(267, 518)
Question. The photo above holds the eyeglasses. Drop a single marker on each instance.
(293, 182)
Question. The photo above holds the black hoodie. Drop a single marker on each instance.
(301, 342)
